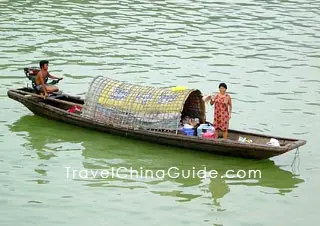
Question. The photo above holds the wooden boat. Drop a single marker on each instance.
(129, 117)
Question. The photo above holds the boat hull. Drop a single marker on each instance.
(217, 146)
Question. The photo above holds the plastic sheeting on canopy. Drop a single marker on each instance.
(134, 106)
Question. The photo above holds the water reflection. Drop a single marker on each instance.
(103, 151)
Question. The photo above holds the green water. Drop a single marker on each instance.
(266, 51)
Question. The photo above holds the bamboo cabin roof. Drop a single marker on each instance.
(135, 106)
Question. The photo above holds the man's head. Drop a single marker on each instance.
(44, 64)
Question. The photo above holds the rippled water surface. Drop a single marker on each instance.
(266, 51)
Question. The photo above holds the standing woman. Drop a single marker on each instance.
(222, 111)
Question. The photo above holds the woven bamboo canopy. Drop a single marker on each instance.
(123, 104)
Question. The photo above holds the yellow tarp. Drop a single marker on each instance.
(124, 96)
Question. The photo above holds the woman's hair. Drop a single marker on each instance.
(223, 85)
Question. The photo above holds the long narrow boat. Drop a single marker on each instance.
(147, 113)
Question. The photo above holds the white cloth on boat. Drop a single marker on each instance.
(273, 142)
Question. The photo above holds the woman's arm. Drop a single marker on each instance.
(211, 102)
(230, 107)
(214, 100)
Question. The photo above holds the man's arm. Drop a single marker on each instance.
(53, 77)
(43, 84)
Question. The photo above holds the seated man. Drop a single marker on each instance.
(42, 78)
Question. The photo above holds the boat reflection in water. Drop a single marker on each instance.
(98, 151)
